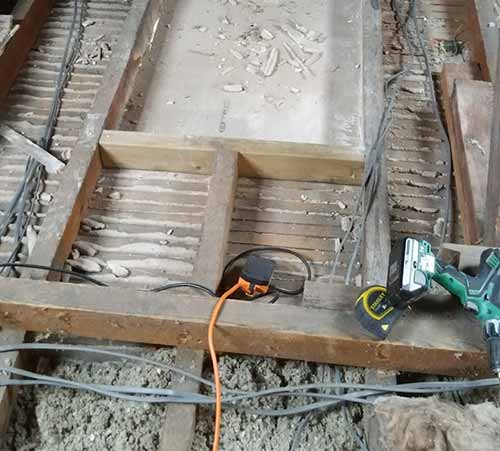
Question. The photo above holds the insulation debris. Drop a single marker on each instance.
(433, 425)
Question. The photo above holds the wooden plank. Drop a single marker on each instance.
(337, 296)
(450, 73)
(178, 428)
(17, 48)
(481, 17)
(435, 343)
(261, 159)
(377, 232)
(492, 226)
(52, 164)
(471, 108)
(469, 256)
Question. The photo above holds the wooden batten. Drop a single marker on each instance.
(261, 159)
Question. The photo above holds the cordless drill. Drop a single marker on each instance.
(412, 269)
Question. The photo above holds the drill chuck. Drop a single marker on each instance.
(492, 335)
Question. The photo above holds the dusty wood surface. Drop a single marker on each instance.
(482, 20)
(178, 429)
(436, 343)
(450, 73)
(471, 108)
(263, 159)
(21, 43)
(335, 296)
(52, 164)
(492, 232)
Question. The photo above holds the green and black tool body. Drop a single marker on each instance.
(412, 269)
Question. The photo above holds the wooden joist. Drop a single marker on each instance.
(377, 239)
(261, 159)
(492, 214)
(435, 343)
(471, 108)
(178, 428)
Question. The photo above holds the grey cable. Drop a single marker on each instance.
(437, 113)
(363, 393)
(412, 388)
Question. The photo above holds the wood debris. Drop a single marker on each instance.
(233, 87)
(115, 195)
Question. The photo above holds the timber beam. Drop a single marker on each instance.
(435, 343)
(260, 159)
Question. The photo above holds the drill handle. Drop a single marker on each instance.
(489, 266)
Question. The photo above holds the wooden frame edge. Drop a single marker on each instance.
(260, 159)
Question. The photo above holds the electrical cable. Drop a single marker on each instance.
(218, 385)
(184, 285)
(273, 249)
(86, 278)
(370, 181)
(442, 129)
(408, 389)
(156, 395)
(49, 268)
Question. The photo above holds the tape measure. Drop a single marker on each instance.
(374, 311)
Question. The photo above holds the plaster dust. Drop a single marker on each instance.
(47, 419)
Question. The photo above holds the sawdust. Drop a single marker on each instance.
(435, 425)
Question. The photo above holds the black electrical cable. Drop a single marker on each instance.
(50, 268)
(94, 281)
(196, 286)
(273, 249)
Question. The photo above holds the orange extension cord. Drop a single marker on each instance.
(218, 386)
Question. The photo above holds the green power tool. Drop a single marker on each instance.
(412, 269)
